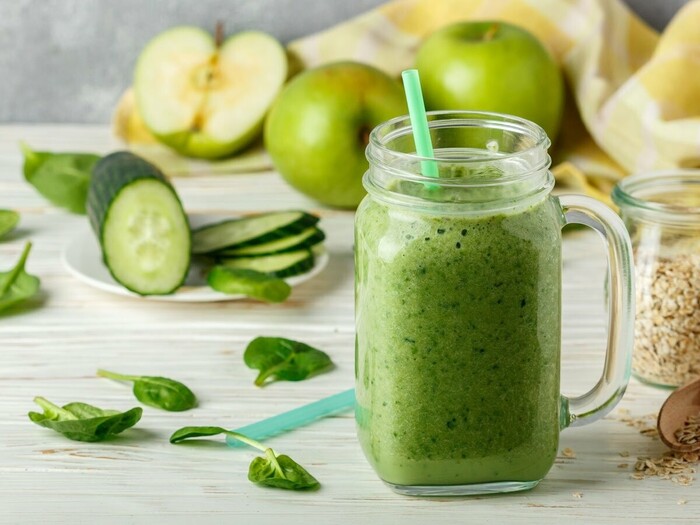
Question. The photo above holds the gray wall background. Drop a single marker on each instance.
(69, 60)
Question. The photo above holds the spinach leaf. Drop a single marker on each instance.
(250, 283)
(281, 472)
(63, 178)
(16, 285)
(8, 221)
(271, 470)
(83, 422)
(158, 392)
(195, 432)
(284, 359)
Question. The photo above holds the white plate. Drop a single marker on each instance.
(82, 257)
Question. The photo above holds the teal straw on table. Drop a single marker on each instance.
(296, 417)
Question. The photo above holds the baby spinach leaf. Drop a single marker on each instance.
(195, 432)
(271, 470)
(284, 359)
(16, 285)
(83, 422)
(158, 392)
(62, 178)
(281, 472)
(250, 283)
(8, 221)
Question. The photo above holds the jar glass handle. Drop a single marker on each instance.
(603, 397)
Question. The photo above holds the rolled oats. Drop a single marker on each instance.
(689, 433)
(677, 467)
(667, 325)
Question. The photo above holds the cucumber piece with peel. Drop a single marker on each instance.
(279, 265)
(308, 238)
(249, 231)
(139, 221)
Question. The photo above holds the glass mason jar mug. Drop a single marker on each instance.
(458, 307)
(662, 213)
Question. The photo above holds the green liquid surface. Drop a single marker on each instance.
(458, 342)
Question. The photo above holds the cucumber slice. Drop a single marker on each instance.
(250, 283)
(140, 223)
(279, 265)
(306, 239)
(250, 230)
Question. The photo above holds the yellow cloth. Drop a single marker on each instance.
(634, 101)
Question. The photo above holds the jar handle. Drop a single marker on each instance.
(603, 397)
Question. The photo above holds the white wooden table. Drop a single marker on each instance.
(54, 347)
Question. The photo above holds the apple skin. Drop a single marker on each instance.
(491, 66)
(317, 129)
(197, 144)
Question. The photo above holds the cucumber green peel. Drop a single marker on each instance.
(250, 231)
(140, 224)
(280, 265)
(271, 470)
(306, 239)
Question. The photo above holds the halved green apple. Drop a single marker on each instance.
(204, 98)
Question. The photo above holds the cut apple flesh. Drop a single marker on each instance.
(204, 100)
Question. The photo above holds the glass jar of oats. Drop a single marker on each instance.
(662, 213)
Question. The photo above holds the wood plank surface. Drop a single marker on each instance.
(53, 347)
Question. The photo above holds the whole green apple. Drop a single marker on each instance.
(491, 66)
(318, 128)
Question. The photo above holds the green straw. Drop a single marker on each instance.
(419, 121)
(296, 417)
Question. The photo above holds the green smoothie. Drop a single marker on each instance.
(458, 341)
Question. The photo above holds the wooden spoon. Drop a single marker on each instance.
(681, 404)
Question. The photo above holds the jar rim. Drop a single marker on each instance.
(514, 146)
(636, 192)
(401, 125)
